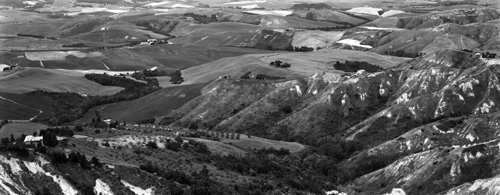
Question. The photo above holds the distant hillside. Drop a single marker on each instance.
(153, 105)
(32, 79)
(407, 113)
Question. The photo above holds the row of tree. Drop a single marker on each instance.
(220, 135)
(403, 53)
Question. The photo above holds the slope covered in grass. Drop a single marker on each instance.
(156, 104)
(32, 79)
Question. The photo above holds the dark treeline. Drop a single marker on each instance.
(202, 18)
(402, 53)
(354, 66)
(75, 45)
(143, 74)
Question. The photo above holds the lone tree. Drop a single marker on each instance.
(50, 139)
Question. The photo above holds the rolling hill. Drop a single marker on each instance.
(385, 111)
(155, 104)
(32, 79)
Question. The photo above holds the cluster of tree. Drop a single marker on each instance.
(3, 122)
(354, 66)
(152, 145)
(280, 152)
(59, 157)
(75, 45)
(97, 122)
(268, 77)
(303, 49)
(280, 64)
(402, 53)
(264, 76)
(203, 18)
(199, 181)
(246, 75)
(49, 139)
(197, 146)
(176, 77)
(8, 68)
(61, 131)
(79, 158)
(143, 74)
(107, 80)
(331, 28)
(301, 6)
(174, 145)
(488, 55)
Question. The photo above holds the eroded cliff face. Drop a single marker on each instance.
(434, 119)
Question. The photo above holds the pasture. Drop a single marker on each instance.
(32, 79)
(18, 129)
(262, 143)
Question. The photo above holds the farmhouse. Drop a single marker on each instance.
(107, 121)
(33, 140)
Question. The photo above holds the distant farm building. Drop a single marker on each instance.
(33, 140)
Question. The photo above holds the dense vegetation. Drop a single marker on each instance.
(144, 74)
(354, 66)
(176, 77)
(300, 6)
(202, 18)
(280, 64)
(75, 45)
(402, 53)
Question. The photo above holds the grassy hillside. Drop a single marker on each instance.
(156, 104)
(28, 106)
(13, 111)
(32, 79)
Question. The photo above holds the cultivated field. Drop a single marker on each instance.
(32, 79)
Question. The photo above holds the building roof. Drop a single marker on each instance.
(30, 138)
